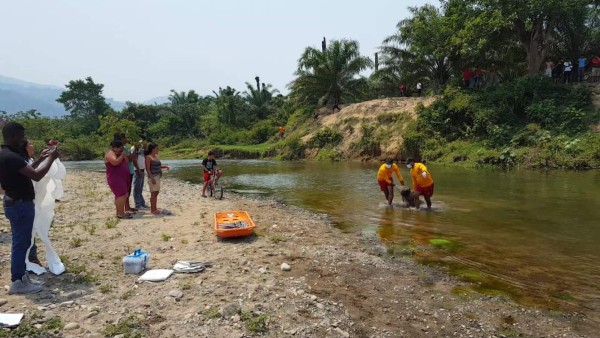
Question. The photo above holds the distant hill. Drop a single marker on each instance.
(157, 100)
(18, 95)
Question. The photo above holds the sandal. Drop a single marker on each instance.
(156, 212)
(125, 216)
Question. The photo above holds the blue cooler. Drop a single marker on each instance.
(135, 262)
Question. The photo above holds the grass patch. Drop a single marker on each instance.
(55, 323)
(111, 223)
(75, 242)
(212, 313)
(116, 235)
(127, 295)
(77, 273)
(129, 327)
(166, 237)
(255, 323)
(277, 239)
(184, 241)
(105, 288)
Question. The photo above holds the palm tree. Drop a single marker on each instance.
(330, 76)
(419, 50)
(259, 101)
(178, 98)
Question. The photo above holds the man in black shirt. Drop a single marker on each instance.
(15, 176)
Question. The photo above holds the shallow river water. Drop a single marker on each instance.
(533, 235)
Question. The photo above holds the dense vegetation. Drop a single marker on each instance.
(525, 118)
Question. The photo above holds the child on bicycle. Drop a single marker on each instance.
(209, 165)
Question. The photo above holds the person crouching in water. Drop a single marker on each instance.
(421, 179)
(384, 178)
(410, 198)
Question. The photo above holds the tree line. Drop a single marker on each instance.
(432, 46)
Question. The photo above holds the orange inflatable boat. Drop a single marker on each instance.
(233, 224)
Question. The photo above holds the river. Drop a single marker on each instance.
(532, 235)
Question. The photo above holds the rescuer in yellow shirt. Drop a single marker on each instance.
(384, 178)
(421, 179)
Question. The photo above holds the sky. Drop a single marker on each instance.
(141, 49)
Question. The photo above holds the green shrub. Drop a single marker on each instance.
(326, 137)
(368, 144)
(291, 149)
(330, 154)
(261, 132)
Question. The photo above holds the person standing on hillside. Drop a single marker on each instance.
(16, 177)
(419, 88)
(549, 67)
(595, 69)
(421, 179)
(582, 62)
(567, 71)
(386, 181)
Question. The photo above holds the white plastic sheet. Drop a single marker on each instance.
(47, 191)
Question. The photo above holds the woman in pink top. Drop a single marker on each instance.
(117, 176)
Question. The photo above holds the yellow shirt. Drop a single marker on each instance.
(416, 175)
(385, 174)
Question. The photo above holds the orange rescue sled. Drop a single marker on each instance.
(233, 224)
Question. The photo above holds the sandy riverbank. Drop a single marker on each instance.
(340, 285)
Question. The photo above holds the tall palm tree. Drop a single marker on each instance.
(419, 50)
(259, 100)
(330, 76)
(178, 98)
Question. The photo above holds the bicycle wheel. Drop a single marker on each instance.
(218, 191)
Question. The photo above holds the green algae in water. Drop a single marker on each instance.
(462, 291)
(562, 295)
(442, 243)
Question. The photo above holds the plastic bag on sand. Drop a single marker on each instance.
(156, 275)
(187, 266)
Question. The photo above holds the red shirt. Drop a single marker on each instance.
(467, 74)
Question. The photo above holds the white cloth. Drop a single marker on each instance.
(47, 191)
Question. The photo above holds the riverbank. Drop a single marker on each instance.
(340, 284)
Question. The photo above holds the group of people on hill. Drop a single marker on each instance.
(404, 90)
(476, 77)
(422, 182)
(564, 70)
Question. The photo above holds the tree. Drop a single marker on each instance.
(84, 101)
(578, 36)
(112, 124)
(177, 98)
(259, 100)
(533, 23)
(419, 50)
(330, 76)
(230, 107)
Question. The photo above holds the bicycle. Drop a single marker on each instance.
(214, 188)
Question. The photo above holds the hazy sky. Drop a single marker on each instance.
(140, 49)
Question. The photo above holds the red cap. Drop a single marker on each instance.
(52, 142)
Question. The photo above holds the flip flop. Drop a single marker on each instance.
(125, 216)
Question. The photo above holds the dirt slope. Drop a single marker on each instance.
(382, 121)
